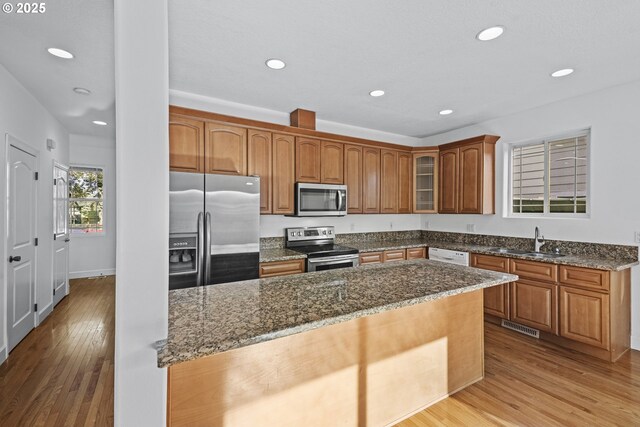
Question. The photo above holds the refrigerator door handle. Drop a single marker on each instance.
(200, 265)
(207, 249)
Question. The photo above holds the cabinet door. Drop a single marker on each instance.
(281, 268)
(535, 304)
(496, 298)
(470, 165)
(448, 181)
(370, 180)
(226, 149)
(353, 177)
(371, 258)
(405, 180)
(388, 181)
(394, 255)
(425, 182)
(259, 163)
(331, 163)
(307, 160)
(584, 316)
(416, 253)
(283, 174)
(186, 144)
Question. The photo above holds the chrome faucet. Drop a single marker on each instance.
(538, 240)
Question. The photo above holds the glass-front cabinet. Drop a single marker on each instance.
(425, 182)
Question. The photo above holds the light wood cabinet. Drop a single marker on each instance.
(331, 163)
(425, 182)
(416, 253)
(353, 177)
(467, 176)
(260, 163)
(370, 180)
(584, 277)
(535, 270)
(308, 155)
(225, 149)
(281, 268)
(405, 180)
(283, 174)
(388, 181)
(186, 144)
(371, 258)
(496, 298)
(584, 316)
(535, 304)
(394, 255)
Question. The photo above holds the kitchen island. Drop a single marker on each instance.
(361, 346)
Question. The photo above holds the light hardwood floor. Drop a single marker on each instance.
(61, 374)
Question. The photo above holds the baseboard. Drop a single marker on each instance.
(3, 354)
(635, 342)
(91, 273)
(42, 314)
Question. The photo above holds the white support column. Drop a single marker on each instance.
(142, 168)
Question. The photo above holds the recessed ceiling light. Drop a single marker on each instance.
(60, 53)
(562, 73)
(376, 93)
(81, 91)
(445, 112)
(99, 123)
(275, 64)
(490, 33)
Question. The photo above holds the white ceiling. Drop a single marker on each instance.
(422, 53)
(84, 28)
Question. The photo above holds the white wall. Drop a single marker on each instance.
(614, 118)
(142, 156)
(22, 116)
(92, 255)
(274, 225)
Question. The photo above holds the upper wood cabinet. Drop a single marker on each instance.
(388, 181)
(331, 163)
(370, 180)
(259, 163)
(186, 144)
(405, 180)
(308, 155)
(283, 172)
(467, 176)
(353, 177)
(225, 149)
(425, 182)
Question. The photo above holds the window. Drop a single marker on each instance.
(86, 200)
(551, 177)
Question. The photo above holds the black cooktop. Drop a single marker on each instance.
(318, 251)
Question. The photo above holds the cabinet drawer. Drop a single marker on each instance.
(584, 316)
(416, 253)
(535, 304)
(584, 277)
(371, 258)
(489, 262)
(535, 270)
(394, 255)
(281, 268)
(496, 301)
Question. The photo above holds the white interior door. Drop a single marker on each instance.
(21, 251)
(60, 232)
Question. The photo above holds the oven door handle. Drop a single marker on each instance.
(331, 259)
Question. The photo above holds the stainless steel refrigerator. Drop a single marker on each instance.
(214, 231)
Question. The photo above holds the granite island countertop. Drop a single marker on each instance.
(279, 254)
(601, 263)
(213, 319)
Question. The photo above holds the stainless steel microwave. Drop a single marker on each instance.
(320, 199)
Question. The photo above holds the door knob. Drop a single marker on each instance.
(67, 239)
(15, 258)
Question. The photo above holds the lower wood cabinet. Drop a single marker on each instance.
(416, 253)
(496, 298)
(535, 304)
(394, 255)
(371, 258)
(281, 268)
(584, 316)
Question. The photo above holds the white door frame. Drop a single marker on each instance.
(59, 165)
(11, 140)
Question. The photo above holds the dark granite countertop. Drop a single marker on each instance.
(279, 254)
(574, 260)
(213, 319)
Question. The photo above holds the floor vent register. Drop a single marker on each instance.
(521, 328)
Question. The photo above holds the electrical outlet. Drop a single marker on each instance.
(637, 237)
(471, 228)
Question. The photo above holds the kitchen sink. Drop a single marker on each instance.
(508, 251)
(543, 255)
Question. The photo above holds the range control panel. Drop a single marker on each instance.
(309, 233)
